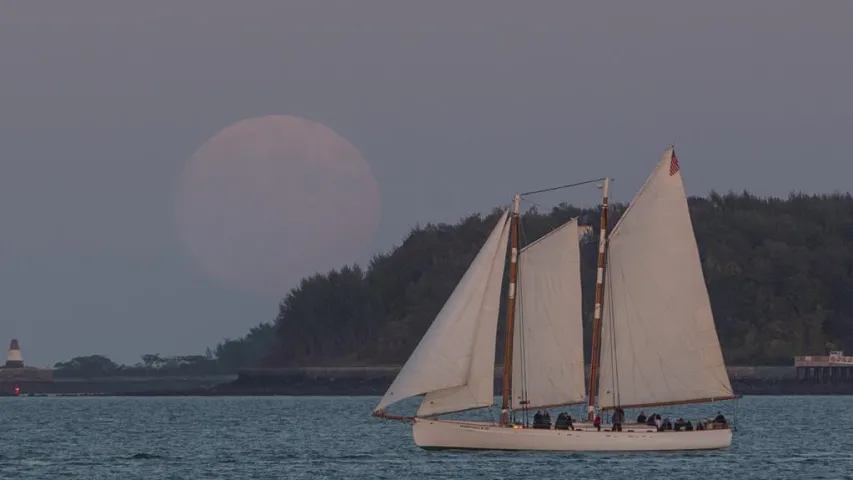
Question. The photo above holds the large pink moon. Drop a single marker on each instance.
(270, 200)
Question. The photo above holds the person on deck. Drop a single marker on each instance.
(720, 419)
(596, 422)
(618, 419)
(546, 420)
(651, 420)
(562, 422)
(641, 418)
(537, 419)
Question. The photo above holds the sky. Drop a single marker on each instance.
(454, 105)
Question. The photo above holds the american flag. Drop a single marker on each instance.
(673, 165)
(585, 232)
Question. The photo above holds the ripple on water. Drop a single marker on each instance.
(334, 437)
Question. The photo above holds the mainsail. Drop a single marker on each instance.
(548, 366)
(454, 363)
(659, 345)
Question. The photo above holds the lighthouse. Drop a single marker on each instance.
(14, 371)
(13, 358)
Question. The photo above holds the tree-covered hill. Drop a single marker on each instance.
(778, 272)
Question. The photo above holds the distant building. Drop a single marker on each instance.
(15, 370)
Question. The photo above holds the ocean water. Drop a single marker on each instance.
(335, 437)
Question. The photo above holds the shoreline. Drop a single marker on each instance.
(351, 381)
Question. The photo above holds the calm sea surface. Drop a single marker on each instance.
(334, 437)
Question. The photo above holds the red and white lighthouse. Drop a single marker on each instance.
(14, 358)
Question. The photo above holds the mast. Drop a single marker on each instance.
(510, 313)
(596, 319)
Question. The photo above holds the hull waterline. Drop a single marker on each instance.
(431, 434)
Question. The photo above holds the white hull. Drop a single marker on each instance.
(447, 434)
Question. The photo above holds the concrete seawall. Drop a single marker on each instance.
(114, 385)
(745, 380)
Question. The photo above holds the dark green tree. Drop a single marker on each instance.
(779, 273)
(88, 366)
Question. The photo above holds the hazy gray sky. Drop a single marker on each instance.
(454, 105)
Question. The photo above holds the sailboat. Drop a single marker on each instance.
(654, 339)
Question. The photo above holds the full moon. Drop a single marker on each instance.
(270, 200)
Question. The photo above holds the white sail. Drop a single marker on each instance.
(548, 366)
(454, 361)
(659, 344)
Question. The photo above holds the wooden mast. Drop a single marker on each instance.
(596, 318)
(510, 314)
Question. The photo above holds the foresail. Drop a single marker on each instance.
(548, 364)
(659, 345)
(479, 387)
(451, 358)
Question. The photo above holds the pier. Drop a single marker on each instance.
(833, 368)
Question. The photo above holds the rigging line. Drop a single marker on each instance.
(608, 301)
(614, 366)
(518, 381)
(530, 202)
(734, 415)
(520, 309)
(569, 185)
(541, 214)
(629, 327)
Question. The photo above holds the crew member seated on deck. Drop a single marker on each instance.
(564, 422)
(596, 422)
(650, 421)
(542, 420)
(720, 419)
(641, 418)
(537, 419)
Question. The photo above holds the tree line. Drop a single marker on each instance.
(229, 356)
(778, 272)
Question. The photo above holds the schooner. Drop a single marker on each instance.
(654, 338)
